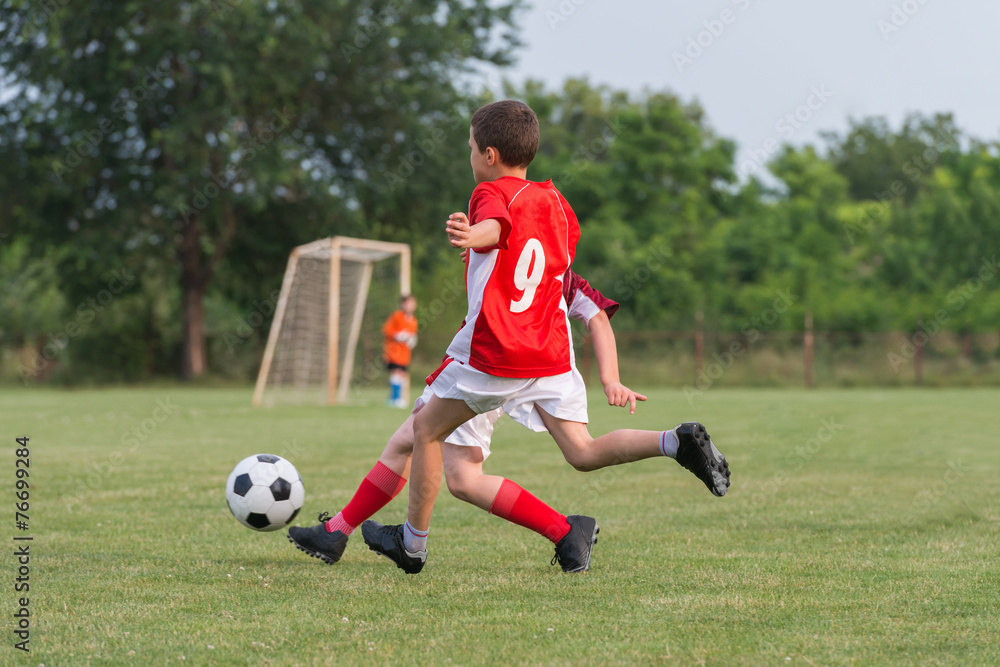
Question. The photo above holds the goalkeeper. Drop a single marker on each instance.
(400, 332)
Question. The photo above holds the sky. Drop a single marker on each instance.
(750, 63)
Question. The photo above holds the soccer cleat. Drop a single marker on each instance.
(316, 542)
(697, 453)
(573, 550)
(388, 541)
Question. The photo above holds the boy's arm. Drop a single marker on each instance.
(395, 330)
(463, 235)
(606, 351)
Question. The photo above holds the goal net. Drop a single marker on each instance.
(326, 337)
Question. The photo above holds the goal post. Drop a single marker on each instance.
(323, 311)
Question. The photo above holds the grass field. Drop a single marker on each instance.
(861, 528)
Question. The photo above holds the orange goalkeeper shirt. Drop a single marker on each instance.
(395, 351)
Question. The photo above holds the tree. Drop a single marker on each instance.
(163, 127)
(884, 165)
(648, 181)
(31, 303)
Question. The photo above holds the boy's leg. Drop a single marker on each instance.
(586, 453)
(463, 470)
(383, 482)
(431, 426)
(399, 448)
(397, 380)
(688, 443)
(406, 545)
(574, 536)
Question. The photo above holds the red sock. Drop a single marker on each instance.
(518, 506)
(378, 487)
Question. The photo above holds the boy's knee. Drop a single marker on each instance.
(580, 459)
(400, 445)
(459, 486)
(420, 431)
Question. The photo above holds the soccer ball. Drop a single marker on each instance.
(265, 492)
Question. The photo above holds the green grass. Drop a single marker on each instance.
(862, 549)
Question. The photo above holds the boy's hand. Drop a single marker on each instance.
(464, 255)
(458, 229)
(461, 234)
(620, 396)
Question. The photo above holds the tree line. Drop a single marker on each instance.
(161, 160)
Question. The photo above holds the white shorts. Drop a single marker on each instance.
(563, 396)
(477, 432)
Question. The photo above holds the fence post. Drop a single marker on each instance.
(699, 343)
(918, 360)
(807, 349)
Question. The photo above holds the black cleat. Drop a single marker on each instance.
(388, 541)
(316, 542)
(697, 453)
(573, 550)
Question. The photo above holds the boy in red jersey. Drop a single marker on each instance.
(467, 448)
(469, 445)
(515, 349)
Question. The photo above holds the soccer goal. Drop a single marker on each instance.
(326, 335)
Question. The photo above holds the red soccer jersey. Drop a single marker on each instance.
(584, 302)
(517, 324)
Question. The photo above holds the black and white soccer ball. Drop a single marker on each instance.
(265, 492)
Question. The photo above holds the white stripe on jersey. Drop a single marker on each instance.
(569, 327)
(481, 267)
(511, 202)
(562, 299)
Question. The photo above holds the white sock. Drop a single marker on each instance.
(668, 444)
(414, 540)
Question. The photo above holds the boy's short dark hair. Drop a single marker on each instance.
(509, 126)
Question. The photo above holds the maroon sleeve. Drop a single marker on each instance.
(577, 290)
(487, 202)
